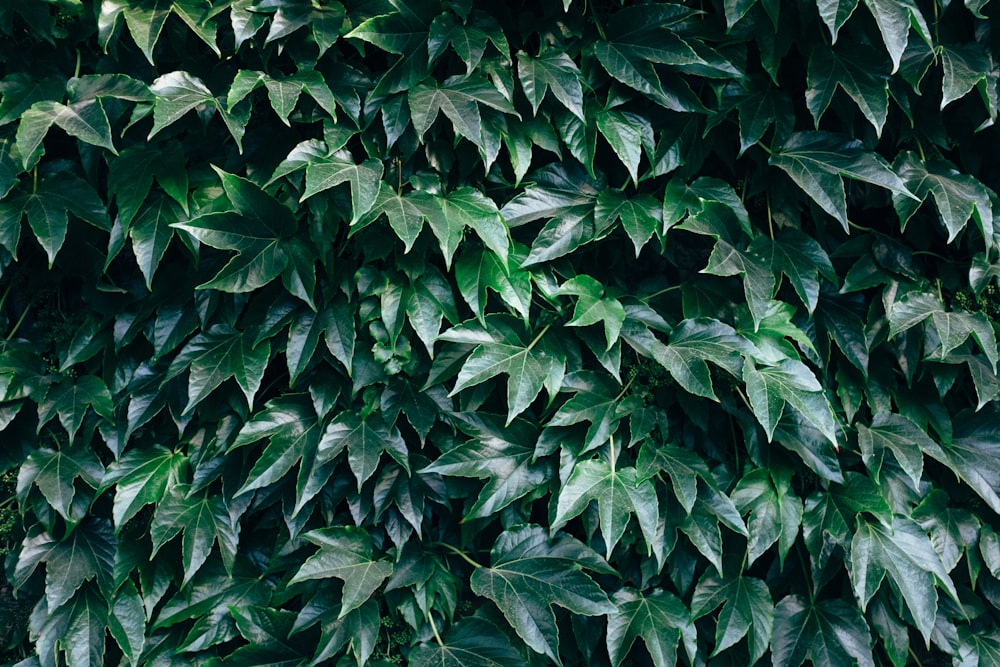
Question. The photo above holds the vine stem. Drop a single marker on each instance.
(430, 617)
(458, 552)
(663, 291)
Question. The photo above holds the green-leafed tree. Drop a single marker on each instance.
(468, 333)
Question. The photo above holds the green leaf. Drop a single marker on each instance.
(906, 440)
(21, 90)
(292, 432)
(70, 400)
(217, 355)
(623, 132)
(528, 367)
(828, 632)
(325, 173)
(151, 233)
(835, 14)
(858, 77)
(459, 98)
(659, 618)
(894, 18)
(971, 454)
(504, 454)
(345, 553)
(817, 161)
(641, 216)
(905, 553)
(775, 513)
(141, 477)
(87, 553)
(748, 604)
(145, 23)
(55, 473)
(127, 621)
(471, 642)
(619, 493)
(965, 66)
(448, 217)
(365, 440)
(958, 197)
(758, 281)
(530, 573)
(477, 270)
(592, 307)
(205, 520)
(691, 344)
(551, 70)
(130, 178)
(87, 121)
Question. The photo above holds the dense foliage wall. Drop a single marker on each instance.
(470, 333)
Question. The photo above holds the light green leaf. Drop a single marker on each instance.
(894, 18)
(478, 270)
(965, 67)
(325, 173)
(641, 216)
(145, 23)
(87, 121)
(835, 14)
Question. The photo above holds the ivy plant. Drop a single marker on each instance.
(465, 333)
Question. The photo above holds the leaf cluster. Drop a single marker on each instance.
(476, 333)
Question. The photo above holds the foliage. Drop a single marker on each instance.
(472, 333)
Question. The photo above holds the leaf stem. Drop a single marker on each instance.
(458, 552)
(430, 617)
(910, 648)
(539, 336)
(17, 325)
(612, 451)
(649, 297)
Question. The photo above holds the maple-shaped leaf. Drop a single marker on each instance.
(958, 197)
(551, 71)
(953, 327)
(528, 366)
(478, 270)
(204, 518)
(619, 493)
(282, 92)
(902, 551)
(71, 399)
(658, 618)
(47, 210)
(747, 604)
(469, 38)
(292, 431)
(86, 553)
(641, 216)
(471, 642)
(894, 19)
(217, 355)
(504, 454)
(256, 230)
(800, 258)
(459, 99)
(54, 473)
(692, 343)
(177, 93)
(530, 573)
(856, 75)
(818, 161)
(830, 633)
(449, 215)
(775, 511)
(86, 120)
(902, 437)
(593, 307)
(365, 439)
(345, 553)
(325, 172)
(758, 280)
(140, 477)
(789, 381)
